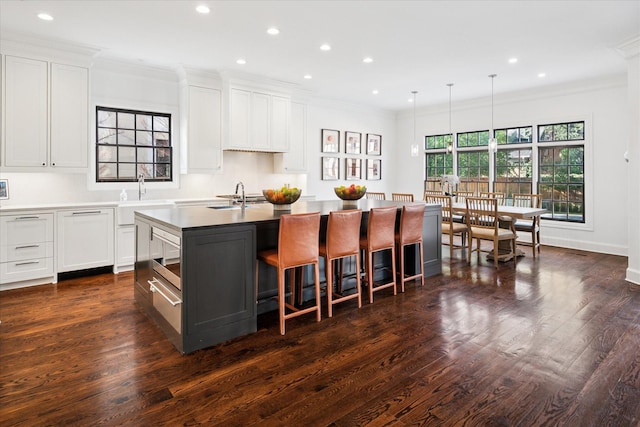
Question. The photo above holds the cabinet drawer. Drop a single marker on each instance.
(26, 251)
(26, 229)
(25, 270)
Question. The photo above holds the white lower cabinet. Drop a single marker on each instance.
(85, 239)
(125, 248)
(26, 249)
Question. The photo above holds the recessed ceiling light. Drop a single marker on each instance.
(325, 47)
(241, 61)
(307, 76)
(367, 60)
(375, 91)
(273, 31)
(45, 17)
(541, 75)
(204, 9)
(513, 60)
(410, 99)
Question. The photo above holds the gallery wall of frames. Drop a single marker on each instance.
(346, 155)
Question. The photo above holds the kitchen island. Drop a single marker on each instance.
(195, 266)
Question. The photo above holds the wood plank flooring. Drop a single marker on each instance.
(553, 341)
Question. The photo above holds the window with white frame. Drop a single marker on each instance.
(132, 143)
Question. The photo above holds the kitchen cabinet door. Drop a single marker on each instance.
(69, 116)
(26, 112)
(260, 121)
(295, 159)
(84, 239)
(280, 112)
(204, 140)
(239, 119)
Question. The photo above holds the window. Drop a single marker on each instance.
(513, 171)
(473, 170)
(439, 162)
(473, 161)
(513, 135)
(561, 182)
(573, 131)
(131, 143)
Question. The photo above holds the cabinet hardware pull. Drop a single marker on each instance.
(86, 213)
(153, 288)
(27, 217)
(27, 246)
(26, 263)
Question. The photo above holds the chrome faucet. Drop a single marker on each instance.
(244, 198)
(141, 188)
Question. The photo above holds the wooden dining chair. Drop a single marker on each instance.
(529, 225)
(402, 197)
(431, 193)
(375, 196)
(461, 196)
(449, 227)
(498, 195)
(483, 223)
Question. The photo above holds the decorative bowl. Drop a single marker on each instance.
(352, 192)
(282, 198)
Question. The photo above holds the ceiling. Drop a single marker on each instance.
(415, 45)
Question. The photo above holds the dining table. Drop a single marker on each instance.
(509, 214)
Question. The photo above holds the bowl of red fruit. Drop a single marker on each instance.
(350, 193)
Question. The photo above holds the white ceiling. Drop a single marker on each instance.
(415, 45)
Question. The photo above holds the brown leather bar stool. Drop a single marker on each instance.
(411, 220)
(343, 240)
(380, 236)
(297, 247)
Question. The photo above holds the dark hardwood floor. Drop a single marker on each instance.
(554, 341)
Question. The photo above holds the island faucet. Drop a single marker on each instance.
(141, 188)
(244, 198)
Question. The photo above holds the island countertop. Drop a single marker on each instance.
(188, 218)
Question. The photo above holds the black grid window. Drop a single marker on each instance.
(561, 182)
(131, 143)
(572, 131)
(520, 135)
(473, 171)
(513, 172)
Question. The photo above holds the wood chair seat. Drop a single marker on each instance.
(483, 223)
(531, 226)
(451, 226)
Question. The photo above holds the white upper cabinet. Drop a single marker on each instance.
(46, 115)
(295, 159)
(26, 113)
(69, 116)
(258, 121)
(203, 148)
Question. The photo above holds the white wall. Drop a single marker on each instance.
(603, 106)
(327, 115)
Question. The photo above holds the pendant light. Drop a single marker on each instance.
(493, 143)
(450, 145)
(415, 148)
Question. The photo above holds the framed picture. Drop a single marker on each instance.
(352, 169)
(352, 142)
(330, 168)
(373, 169)
(4, 189)
(374, 144)
(330, 141)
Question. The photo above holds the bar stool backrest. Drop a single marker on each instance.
(343, 233)
(298, 239)
(381, 228)
(411, 223)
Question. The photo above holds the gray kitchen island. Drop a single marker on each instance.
(195, 268)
